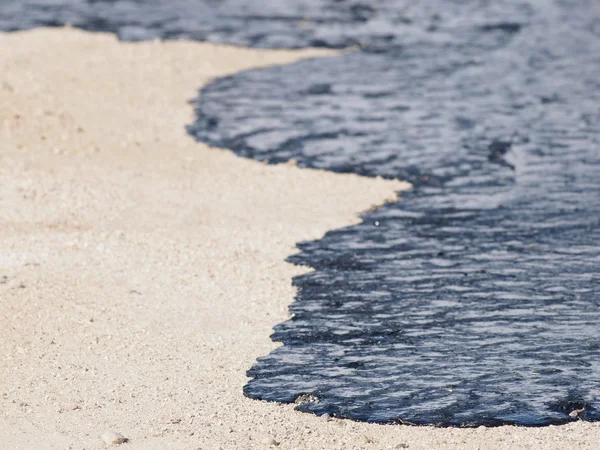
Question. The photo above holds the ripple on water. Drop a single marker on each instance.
(474, 299)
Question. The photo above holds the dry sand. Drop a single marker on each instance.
(141, 272)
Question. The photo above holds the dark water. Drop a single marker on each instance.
(473, 300)
(256, 23)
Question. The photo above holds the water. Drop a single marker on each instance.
(474, 299)
(254, 23)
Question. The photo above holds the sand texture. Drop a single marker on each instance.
(141, 273)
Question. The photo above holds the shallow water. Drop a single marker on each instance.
(255, 23)
(474, 299)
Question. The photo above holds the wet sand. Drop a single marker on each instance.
(141, 273)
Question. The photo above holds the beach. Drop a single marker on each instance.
(141, 272)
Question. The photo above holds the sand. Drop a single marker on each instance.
(141, 272)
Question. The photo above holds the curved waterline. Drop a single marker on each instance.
(474, 299)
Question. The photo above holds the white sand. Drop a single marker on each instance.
(144, 271)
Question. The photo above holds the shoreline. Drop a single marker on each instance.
(145, 271)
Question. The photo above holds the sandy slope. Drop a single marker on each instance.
(144, 271)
